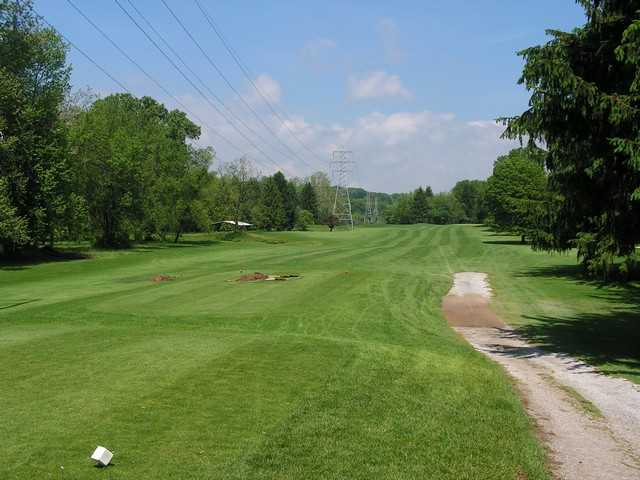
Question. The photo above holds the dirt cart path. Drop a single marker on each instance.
(589, 422)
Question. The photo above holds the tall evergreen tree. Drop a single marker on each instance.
(271, 214)
(309, 200)
(289, 199)
(584, 107)
(420, 209)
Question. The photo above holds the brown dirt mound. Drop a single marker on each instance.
(469, 311)
(162, 278)
(252, 277)
(258, 277)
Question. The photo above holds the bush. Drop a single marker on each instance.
(304, 218)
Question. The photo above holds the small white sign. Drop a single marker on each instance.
(102, 456)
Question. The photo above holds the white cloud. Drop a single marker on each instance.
(395, 152)
(377, 84)
(399, 151)
(390, 38)
(268, 86)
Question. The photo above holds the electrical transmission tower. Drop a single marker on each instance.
(368, 217)
(375, 209)
(341, 170)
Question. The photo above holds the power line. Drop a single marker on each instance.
(194, 74)
(148, 75)
(230, 85)
(84, 54)
(194, 86)
(247, 73)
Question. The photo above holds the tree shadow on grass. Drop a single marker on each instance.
(64, 254)
(608, 338)
(33, 258)
(151, 246)
(616, 285)
(601, 339)
(506, 242)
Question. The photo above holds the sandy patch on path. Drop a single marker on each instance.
(582, 446)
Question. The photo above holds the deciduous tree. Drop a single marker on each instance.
(472, 196)
(34, 78)
(517, 190)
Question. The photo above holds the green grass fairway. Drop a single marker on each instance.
(349, 372)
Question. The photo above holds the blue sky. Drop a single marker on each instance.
(410, 86)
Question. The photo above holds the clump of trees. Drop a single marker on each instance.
(466, 203)
(584, 108)
(134, 170)
(472, 195)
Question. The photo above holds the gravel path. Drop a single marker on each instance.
(560, 393)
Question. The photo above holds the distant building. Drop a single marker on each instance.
(223, 223)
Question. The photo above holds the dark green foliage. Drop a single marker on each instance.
(584, 106)
(271, 213)
(516, 192)
(309, 200)
(472, 196)
(34, 79)
(289, 200)
(421, 208)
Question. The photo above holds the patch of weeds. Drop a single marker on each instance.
(588, 407)
(576, 397)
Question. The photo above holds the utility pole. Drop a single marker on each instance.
(341, 170)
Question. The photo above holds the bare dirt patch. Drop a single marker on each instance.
(252, 277)
(469, 311)
(581, 445)
(262, 277)
(162, 278)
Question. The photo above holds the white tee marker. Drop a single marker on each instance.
(102, 456)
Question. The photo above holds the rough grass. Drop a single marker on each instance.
(557, 307)
(348, 372)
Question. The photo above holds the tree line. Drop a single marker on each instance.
(465, 203)
(117, 169)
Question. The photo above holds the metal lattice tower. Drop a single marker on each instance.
(368, 216)
(341, 170)
(375, 209)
